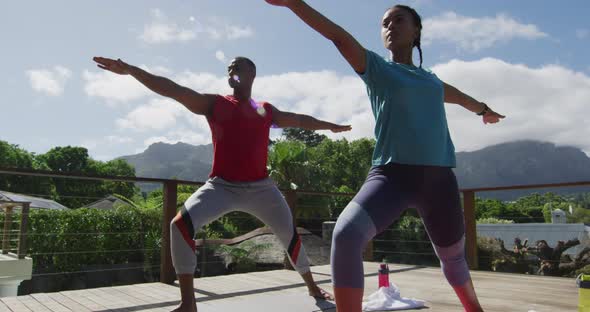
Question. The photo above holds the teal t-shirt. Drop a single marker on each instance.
(408, 106)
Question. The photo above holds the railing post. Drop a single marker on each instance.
(7, 230)
(204, 257)
(291, 198)
(22, 239)
(470, 229)
(167, 274)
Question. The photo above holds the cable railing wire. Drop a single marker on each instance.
(61, 253)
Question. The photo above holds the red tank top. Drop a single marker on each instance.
(240, 135)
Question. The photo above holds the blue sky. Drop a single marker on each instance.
(526, 59)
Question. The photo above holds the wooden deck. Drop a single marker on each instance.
(284, 291)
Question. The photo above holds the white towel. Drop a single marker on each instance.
(390, 299)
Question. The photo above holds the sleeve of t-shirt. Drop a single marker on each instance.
(373, 67)
(428, 70)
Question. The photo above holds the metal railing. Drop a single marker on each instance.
(169, 209)
(8, 207)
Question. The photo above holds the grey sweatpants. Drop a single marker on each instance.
(217, 197)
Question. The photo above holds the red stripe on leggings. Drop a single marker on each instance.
(183, 228)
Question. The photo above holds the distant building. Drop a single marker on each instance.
(108, 203)
(36, 202)
(558, 216)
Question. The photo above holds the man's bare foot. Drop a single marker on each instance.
(186, 307)
(321, 294)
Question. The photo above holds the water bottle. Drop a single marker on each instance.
(583, 281)
(383, 275)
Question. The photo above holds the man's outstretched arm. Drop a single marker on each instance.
(293, 120)
(196, 102)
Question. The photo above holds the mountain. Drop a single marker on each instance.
(180, 161)
(522, 162)
(513, 163)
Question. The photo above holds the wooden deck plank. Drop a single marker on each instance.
(285, 291)
(67, 302)
(109, 300)
(4, 307)
(50, 303)
(32, 304)
(143, 297)
(15, 305)
(80, 297)
(168, 296)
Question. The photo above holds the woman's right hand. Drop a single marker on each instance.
(351, 50)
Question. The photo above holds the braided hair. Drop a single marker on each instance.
(417, 22)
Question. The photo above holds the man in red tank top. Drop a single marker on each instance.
(238, 180)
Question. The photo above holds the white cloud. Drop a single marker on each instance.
(235, 32)
(326, 95)
(156, 139)
(421, 3)
(123, 88)
(473, 34)
(582, 33)
(118, 140)
(49, 81)
(549, 103)
(160, 30)
(180, 135)
(159, 114)
(219, 55)
(231, 32)
(203, 82)
(223, 29)
(117, 88)
(106, 148)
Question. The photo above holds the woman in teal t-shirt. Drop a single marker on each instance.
(413, 154)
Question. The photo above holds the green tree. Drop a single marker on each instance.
(579, 215)
(490, 208)
(330, 166)
(75, 193)
(309, 137)
(290, 166)
(533, 207)
(12, 156)
(343, 163)
(494, 221)
(583, 200)
(117, 167)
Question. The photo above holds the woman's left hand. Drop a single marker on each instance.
(492, 117)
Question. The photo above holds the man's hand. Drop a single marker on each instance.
(340, 128)
(115, 66)
(197, 103)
